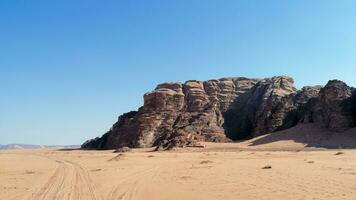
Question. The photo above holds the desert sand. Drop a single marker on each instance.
(230, 171)
(304, 162)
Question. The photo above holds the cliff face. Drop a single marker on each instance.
(176, 114)
(333, 108)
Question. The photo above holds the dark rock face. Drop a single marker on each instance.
(299, 104)
(178, 115)
(334, 107)
(354, 103)
(260, 110)
(271, 105)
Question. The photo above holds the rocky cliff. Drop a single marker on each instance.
(177, 115)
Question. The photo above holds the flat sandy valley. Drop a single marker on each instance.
(210, 173)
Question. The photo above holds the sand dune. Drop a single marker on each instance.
(307, 135)
(301, 137)
(181, 174)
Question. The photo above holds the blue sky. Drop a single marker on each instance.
(68, 68)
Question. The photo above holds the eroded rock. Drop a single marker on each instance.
(179, 115)
(333, 108)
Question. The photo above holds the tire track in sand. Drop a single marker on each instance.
(69, 181)
(129, 186)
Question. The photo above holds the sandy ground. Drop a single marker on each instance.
(210, 173)
(298, 163)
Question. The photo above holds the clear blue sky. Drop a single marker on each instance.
(68, 68)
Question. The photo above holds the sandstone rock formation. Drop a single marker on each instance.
(260, 110)
(333, 108)
(178, 115)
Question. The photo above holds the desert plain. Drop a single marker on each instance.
(218, 171)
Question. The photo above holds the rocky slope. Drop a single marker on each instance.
(177, 115)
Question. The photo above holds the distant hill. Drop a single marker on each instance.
(31, 146)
